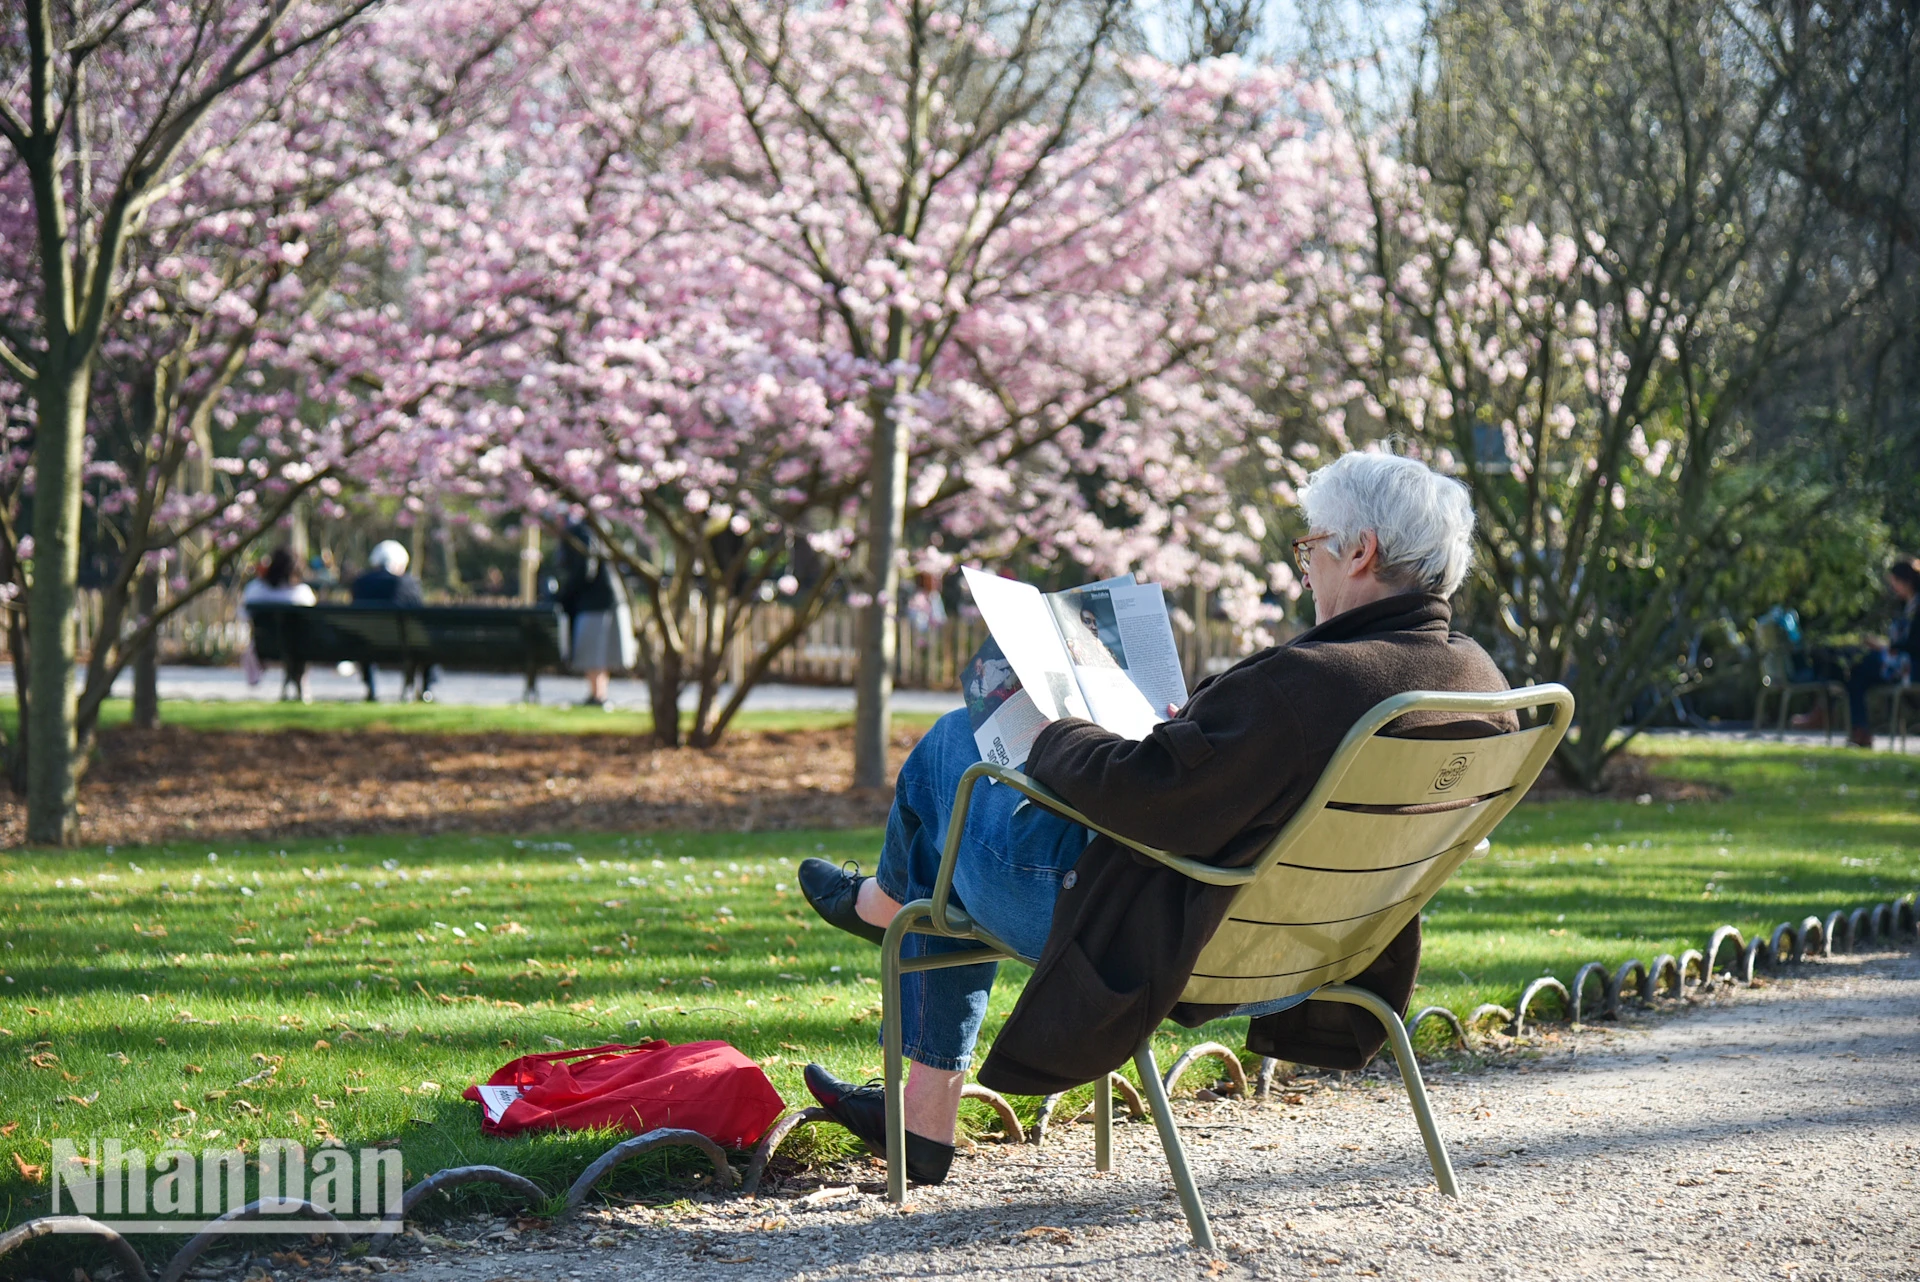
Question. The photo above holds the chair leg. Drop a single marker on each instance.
(1156, 1093)
(893, 1039)
(1103, 1125)
(1409, 1074)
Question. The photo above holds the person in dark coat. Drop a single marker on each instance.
(386, 582)
(1114, 937)
(595, 599)
(1891, 661)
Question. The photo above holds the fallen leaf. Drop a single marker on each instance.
(28, 1172)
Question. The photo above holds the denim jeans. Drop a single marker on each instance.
(1012, 858)
(1879, 667)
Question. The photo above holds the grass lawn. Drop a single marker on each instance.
(440, 718)
(380, 976)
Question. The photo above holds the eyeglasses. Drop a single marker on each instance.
(1301, 547)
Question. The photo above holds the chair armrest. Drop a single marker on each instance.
(1040, 795)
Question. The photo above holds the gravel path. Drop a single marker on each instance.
(1771, 1132)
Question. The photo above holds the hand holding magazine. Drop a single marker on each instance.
(1104, 652)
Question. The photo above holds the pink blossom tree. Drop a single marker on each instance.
(1037, 247)
(694, 308)
(206, 201)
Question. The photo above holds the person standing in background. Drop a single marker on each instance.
(595, 599)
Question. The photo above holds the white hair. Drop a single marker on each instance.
(389, 556)
(1423, 520)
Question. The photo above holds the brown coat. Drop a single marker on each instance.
(1216, 782)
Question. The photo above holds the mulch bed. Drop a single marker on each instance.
(1628, 778)
(170, 784)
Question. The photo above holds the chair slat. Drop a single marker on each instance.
(1311, 927)
(1347, 841)
(1400, 772)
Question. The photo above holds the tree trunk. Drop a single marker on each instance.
(57, 454)
(22, 674)
(146, 660)
(1582, 760)
(876, 639)
(663, 690)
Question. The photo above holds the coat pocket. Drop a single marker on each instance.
(1099, 1026)
(1185, 741)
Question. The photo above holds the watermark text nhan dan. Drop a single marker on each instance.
(177, 1191)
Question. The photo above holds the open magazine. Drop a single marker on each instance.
(1104, 652)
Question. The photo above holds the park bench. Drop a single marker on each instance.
(1384, 828)
(469, 638)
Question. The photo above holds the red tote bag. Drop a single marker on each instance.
(708, 1087)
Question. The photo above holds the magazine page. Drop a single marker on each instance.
(1089, 627)
(1023, 627)
(1121, 630)
(1005, 721)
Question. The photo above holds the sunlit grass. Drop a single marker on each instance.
(443, 718)
(379, 976)
(1803, 831)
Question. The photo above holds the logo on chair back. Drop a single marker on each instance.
(1451, 773)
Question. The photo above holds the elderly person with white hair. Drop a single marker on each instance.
(1113, 937)
(386, 582)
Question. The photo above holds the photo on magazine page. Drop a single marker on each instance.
(1004, 719)
(1089, 627)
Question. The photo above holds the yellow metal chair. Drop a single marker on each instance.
(1387, 824)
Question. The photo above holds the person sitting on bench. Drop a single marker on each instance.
(1387, 544)
(386, 582)
(278, 583)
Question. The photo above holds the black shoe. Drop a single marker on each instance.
(833, 892)
(863, 1110)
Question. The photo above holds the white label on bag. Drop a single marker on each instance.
(494, 1099)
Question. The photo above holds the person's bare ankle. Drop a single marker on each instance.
(875, 906)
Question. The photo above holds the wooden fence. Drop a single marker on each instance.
(210, 630)
(931, 658)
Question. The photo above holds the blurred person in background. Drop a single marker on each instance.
(277, 583)
(595, 599)
(1889, 661)
(386, 582)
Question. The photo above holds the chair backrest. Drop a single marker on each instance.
(1389, 821)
